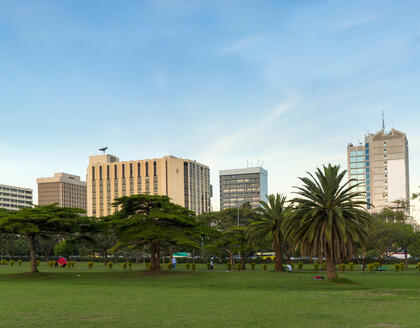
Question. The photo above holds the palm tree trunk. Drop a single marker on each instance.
(243, 260)
(230, 256)
(277, 252)
(329, 260)
(31, 239)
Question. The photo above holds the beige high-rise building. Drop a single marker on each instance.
(66, 190)
(381, 166)
(185, 182)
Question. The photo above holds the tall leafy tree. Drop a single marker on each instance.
(269, 224)
(329, 217)
(153, 221)
(31, 223)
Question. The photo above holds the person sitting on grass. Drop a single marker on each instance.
(62, 262)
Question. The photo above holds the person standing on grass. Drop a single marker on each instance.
(211, 264)
(174, 262)
(289, 267)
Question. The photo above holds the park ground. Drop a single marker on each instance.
(78, 297)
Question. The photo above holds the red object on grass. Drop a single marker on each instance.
(318, 277)
(62, 261)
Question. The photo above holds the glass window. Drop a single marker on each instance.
(115, 172)
(367, 170)
(367, 176)
(367, 151)
(367, 158)
(147, 169)
(353, 153)
(367, 145)
(123, 171)
(367, 163)
(93, 173)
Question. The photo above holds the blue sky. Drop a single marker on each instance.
(289, 83)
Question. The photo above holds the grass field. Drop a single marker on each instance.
(78, 297)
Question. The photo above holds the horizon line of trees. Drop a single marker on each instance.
(327, 219)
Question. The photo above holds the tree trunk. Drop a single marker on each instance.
(105, 255)
(230, 256)
(243, 260)
(152, 256)
(277, 252)
(329, 261)
(405, 258)
(31, 239)
(155, 256)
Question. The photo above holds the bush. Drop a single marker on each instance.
(12, 262)
(51, 264)
(324, 266)
(20, 262)
(70, 264)
(316, 266)
(402, 266)
(229, 266)
(130, 265)
(264, 266)
(148, 266)
(418, 266)
(90, 265)
(169, 266)
(377, 265)
(342, 267)
(208, 265)
(396, 267)
(351, 266)
(4, 262)
(124, 265)
(193, 266)
(300, 266)
(371, 266)
(188, 266)
(238, 266)
(109, 265)
(292, 264)
(38, 262)
(253, 266)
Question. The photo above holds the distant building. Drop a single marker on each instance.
(64, 189)
(380, 166)
(185, 182)
(239, 186)
(13, 198)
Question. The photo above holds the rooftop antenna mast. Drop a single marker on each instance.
(383, 120)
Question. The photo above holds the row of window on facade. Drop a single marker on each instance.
(123, 171)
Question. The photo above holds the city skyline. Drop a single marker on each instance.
(218, 83)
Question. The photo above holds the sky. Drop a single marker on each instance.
(286, 84)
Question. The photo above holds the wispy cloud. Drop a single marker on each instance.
(243, 43)
(356, 21)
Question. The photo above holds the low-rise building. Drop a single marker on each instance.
(13, 198)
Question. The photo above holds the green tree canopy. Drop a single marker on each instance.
(43, 220)
(153, 221)
(269, 224)
(329, 217)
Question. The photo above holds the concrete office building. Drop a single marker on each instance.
(239, 186)
(13, 198)
(64, 189)
(185, 182)
(381, 166)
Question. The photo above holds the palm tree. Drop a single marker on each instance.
(269, 224)
(329, 217)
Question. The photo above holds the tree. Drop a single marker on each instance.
(269, 224)
(329, 217)
(43, 220)
(153, 221)
(230, 225)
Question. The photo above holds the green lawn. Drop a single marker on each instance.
(101, 298)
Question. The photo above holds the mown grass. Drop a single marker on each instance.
(99, 297)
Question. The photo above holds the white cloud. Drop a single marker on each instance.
(357, 21)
